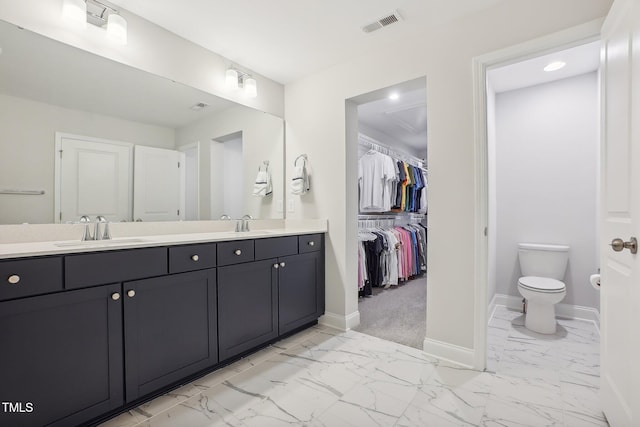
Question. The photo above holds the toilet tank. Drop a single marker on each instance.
(543, 260)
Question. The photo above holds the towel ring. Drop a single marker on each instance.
(303, 156)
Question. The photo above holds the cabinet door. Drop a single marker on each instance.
(170, 329)
(61, 357)
(301, 290)
(248, 306)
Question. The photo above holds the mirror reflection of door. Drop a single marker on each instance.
(158, 184)
(192, 178)
(227, 178)
(93, 177)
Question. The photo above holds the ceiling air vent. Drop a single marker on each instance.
(382, 22)
(199, 106)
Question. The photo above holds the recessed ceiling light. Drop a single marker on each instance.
(394, 96)
(555, 66)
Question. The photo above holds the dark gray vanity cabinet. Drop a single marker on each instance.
(87, 335)
(170, 329)
(248, 306)
(61, 357)
(300, 290)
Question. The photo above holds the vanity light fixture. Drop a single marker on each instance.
(554, 66)
(250, 87)
(231, 80)
(235, 79)
(97, 13)
(75, 12)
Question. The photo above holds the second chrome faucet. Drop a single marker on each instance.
(105, 234)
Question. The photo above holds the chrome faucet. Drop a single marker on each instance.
(106, 235)
(225, 216)
(243, 223)
(87, 230)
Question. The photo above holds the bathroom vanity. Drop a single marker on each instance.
(88, 331)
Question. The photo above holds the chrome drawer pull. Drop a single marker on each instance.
(131, 293)
(195, 257)
(276, 266)
(115, 296)
(282, 264)
(13, 279)
(312, 243)
(237, 252)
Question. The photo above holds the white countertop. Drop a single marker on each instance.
(27, 249)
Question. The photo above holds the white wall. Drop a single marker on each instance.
(149, 48)
(233, 178)
(28, 147)
(262, 139)
(315, 110)
(547, 148)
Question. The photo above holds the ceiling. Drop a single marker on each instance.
(286, 40)
(579, 60)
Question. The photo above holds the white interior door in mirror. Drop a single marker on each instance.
(93, 178)
(159, 184)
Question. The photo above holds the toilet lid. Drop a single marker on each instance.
(541, 284)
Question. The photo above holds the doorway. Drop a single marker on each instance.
(524, 163)
(392, 131)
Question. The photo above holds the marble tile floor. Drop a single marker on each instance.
(326, 378)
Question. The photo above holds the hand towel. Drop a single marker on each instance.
(300, 180)
(262, 186)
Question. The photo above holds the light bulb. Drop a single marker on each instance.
(75, 12)
(250, 87)
(117, 28)
(555, 66)
(231, 79)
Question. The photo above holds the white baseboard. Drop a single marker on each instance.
(459, 355)
(340, 322)
(567, 311)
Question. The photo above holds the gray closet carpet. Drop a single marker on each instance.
(396, 314)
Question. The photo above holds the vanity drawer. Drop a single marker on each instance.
(100, 268)
(276, 247)
(309, 243)
(31, 276)
(235, 252)
(192, 257)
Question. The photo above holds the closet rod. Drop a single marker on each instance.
(367, 140)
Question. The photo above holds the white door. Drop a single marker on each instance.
(94, 179)
(158, 184)
(620, 215)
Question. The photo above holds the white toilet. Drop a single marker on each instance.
(543, 267)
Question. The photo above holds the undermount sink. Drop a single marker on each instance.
(100, 243)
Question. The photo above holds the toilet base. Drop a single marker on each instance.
(540, 318)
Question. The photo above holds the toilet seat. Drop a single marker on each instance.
(541, 284)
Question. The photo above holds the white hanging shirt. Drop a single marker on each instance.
(376, 173)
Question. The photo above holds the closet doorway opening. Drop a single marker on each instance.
(543, 149)
(392, 212)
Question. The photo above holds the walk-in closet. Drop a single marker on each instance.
(392, 213)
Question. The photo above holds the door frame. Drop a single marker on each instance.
(571, 37)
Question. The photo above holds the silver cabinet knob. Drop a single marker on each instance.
(312, 243)
(131, 293)
(619, 244)
(276, 265)
(282, 264)
(115, 296)
(195, 257)
(13, 279)
(237, 252)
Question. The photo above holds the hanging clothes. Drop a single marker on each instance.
(376, 176)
